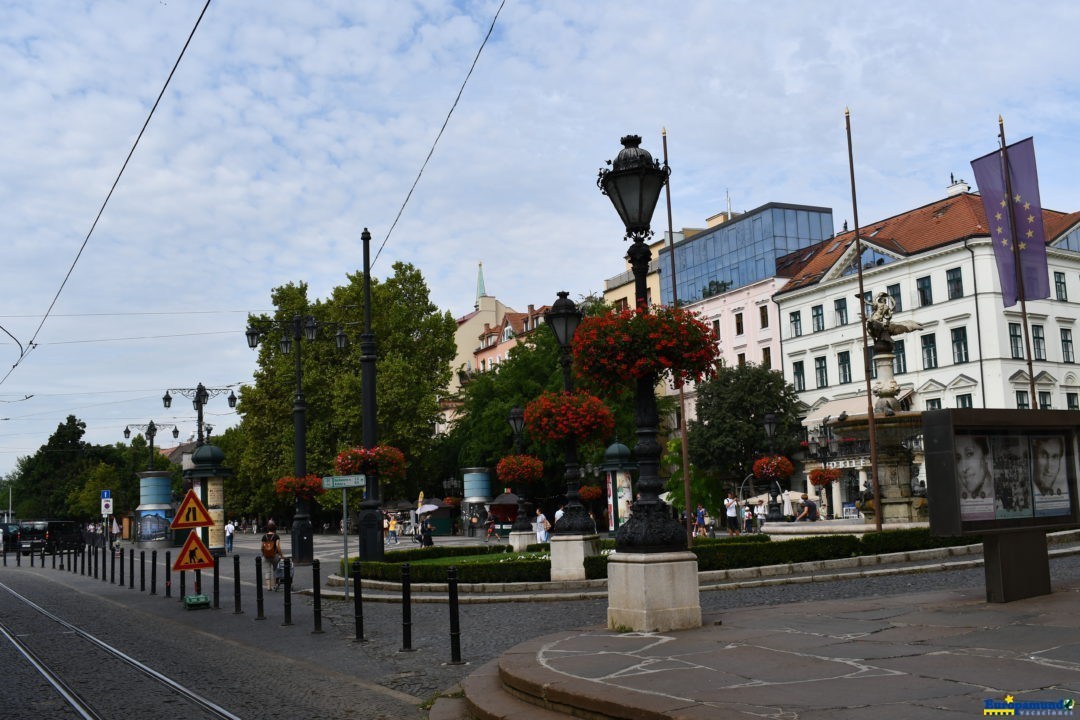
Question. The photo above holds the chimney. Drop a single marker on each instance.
(957, 186)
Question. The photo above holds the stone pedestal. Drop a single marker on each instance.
(653, 592)
(520, 539)
(1016, 565)
(568, 553)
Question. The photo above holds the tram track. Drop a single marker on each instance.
(86, 672)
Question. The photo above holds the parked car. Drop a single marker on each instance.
(50, 535)
(10, 531)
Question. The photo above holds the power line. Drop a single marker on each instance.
(440, 134)
(31, 345)
(163, 312)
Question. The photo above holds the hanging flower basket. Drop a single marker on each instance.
(555, 417)
(623, 345)
(519, 470)
(385, 461)
(303, 488)
(823, 476)
(588, 493)
(773, 467)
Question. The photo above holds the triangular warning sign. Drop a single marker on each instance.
(192, 514)
(194, 555)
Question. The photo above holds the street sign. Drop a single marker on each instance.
(191, 514)
(194, 555)
(344, 481)
(106, 505)
(106, 494)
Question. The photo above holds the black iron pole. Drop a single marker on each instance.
(168, 573)
(303, 542)
(371, 546)
(358, 602)
(406, 609)
(316, 591)
(455, 620)
(287, 580)
(236, 585)
(259, 589)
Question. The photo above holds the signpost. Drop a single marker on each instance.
(344, 482)
(191, 515)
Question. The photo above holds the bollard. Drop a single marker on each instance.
(217, 586)
(112, 568)
(286, 566)
(104, 556)
(62, 554)
(18, 558)
(31, 558)
(168, 573)
(153, 572)
(54, 558)
(455, 626)
(236, 585)
(142, 571)
(198, 582)
(131, 569)
(121, 567)
(259, 589)
(406, 609)
(317, 596)
(358, 602)
(183, 585)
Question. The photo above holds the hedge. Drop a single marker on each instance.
(515, 570)
(891, 541)
(420, 553)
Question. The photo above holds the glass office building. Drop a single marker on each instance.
(742, 250)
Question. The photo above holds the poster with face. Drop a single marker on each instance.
(1050, 488)
(1012, 477)
(973, 475)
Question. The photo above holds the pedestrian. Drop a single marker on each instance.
(490, 529)
(731, 508)
(560, 512)
(425, 535)
(229, 530)
(391, 531)
(543, 526)
(699, 521)
(270, 544)
(759, 515)
(809, 509)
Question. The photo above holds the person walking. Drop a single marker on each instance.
(543, 526)
(391, 531)
(229, 530)
(731, 508)
(490, 530)
(270, 545)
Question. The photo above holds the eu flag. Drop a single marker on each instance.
(1016, 224)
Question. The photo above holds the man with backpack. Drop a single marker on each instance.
(270, 544)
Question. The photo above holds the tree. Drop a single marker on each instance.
(729, 434)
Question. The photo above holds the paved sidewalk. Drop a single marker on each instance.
(931, 655)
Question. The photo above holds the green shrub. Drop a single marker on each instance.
(726, 556)
(512, 570)
(727, 539)
(892, 541)
(438, 551)
(596, 567)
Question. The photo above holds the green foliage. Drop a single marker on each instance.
(503, 566)
(891, 541)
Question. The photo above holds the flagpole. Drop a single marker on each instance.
(870, 423)
(682, 394)
(1016, 262)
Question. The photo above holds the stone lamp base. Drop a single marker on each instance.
(653, 592)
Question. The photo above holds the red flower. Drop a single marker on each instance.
(773, 467)
(823, 476)
(384, 461)
(304, 488)
(554, 417)
(518, 470)
(588, 493)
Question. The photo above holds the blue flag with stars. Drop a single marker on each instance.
(1015, 223)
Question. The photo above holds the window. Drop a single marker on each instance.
(955, 283)
(894, 293)
(738, 324)
(798, 376)
(959, 345)
(1072, 401)
(821, 373)
(964, 401)
(716, 328)
(1044, 400)
(766, 358)
(1067, 346)
(796, 323)
(929, 352)
(621, 304)
(741, 359)
(843, 361)
(1021, 400)
(926, 295)
(899, 363)
(1016, 341)
(1059, 286)
(818, 317)
(870, 361)
(1038, 341)
(763, 312)
(840, 306)
(933, 403)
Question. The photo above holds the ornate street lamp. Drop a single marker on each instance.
(371, 545)
(522, 523)
(563, 318)
(633, 185)
(774, 514)
(296, 329)
(149, 431)
(200, 395)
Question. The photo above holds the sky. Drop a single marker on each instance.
(288, 127)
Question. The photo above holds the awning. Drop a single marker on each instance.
(853, 406)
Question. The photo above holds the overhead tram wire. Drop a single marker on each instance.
(31, 345)
(446, 122)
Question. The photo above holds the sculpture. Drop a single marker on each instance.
(880, 325)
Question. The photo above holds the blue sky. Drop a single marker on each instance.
(289, 127)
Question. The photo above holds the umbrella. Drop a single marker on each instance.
(424, 509)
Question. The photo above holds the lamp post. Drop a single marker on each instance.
(296, 330)
(149, 431)
(522, 523)
(774, 514)
(371, 546)
(199, 395)
(633, 185)
(563, 318)
(822, 446)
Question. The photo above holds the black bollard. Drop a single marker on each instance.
(406, 609)
(317, 596)
(112, 567)
(153, 572)
(142, 571)
(54, 558)
(259, 589)
(183, 585)
(31, 558)
(286, 578)
(18, 558)
(131, 569)
(168, 573)
(104, 557)
(455, 625)
(358, 602)
(236, 585)
(198, 582)
(121, 567)
(217, 586)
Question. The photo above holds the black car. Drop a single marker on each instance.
(10, 531)
(50, 535)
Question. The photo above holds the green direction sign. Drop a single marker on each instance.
(344, 481)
